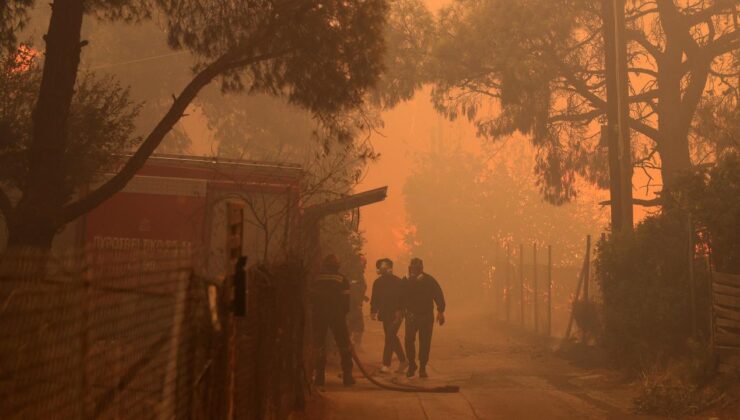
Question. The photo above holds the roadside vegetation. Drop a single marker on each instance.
(654, 325)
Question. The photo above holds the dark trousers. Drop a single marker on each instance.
(422, 326)
(323, 321)
(392, 342)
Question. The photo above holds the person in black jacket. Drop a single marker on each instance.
(330, 308)
(420, 293)
(385, 306)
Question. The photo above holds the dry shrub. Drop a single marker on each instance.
(679, 390)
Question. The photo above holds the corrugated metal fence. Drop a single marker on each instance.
(726, 319)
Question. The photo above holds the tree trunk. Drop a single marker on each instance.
(35, 219)
(674, 155)
(29, 232)
(673, 142)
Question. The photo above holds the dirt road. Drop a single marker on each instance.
(502, 375)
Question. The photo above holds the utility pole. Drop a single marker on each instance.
(617, 132)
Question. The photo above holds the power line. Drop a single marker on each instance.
(139, 60)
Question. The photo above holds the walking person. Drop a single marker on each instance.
(330, 307)
(420, 293)
(385, 306)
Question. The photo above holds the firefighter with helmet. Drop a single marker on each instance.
(331, 303)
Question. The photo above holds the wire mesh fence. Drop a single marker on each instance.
(137, 335)
(97, 334)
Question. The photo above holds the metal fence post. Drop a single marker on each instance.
(587, 274)
(508, 283)
(535, 296)
(521, 284)
(549, 290)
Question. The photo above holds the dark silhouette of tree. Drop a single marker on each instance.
(537, 67)
(101, 123)
(320, 55)
(409, 36)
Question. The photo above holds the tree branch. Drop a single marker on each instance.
(645, 129)
(639, 202)
(644, 96)
(586, 116)
(155, 137)
(639, 37)
(703, 15)
(724, 44)
(582, 89)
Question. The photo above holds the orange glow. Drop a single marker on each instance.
(24, 58)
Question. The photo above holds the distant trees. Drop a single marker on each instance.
(538, 67)
(319, 55)
(464, 210)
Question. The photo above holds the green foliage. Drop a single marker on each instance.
(101, 122)
(319, 55)
(718, 122)
(646, 294)
(13, 18)
(712, 195)
(322, 55)
(587, 316)
(409, 38)
(500, 71)
(537, 67)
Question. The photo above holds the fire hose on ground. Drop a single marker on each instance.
(401, 387)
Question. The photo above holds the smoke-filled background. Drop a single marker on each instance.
(566, 169)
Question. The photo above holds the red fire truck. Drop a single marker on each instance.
(219, 208)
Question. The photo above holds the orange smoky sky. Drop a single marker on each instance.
(407, 133)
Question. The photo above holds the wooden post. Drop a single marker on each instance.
(521, 284)
(549, 290)
(566, 337)
(581, 281)
(535, 293)
(587, 272)
(495, 284)
(508, 283)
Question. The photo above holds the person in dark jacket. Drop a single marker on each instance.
(420, 293)
(330, 308)
(385, 306)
